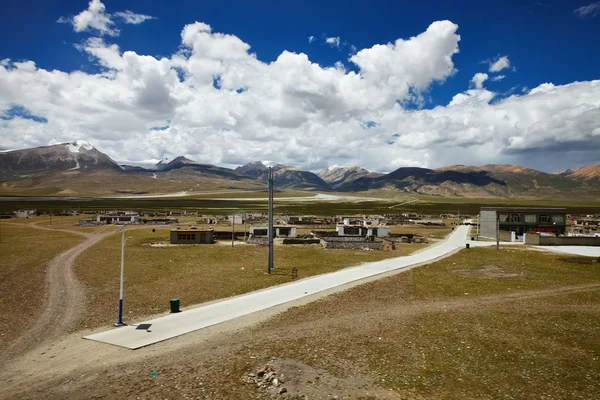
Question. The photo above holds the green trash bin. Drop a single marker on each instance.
(174, 305)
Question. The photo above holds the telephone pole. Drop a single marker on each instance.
(270, 229)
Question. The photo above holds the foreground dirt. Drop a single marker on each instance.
(385, 339)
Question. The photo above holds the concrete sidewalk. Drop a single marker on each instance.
(173, 325)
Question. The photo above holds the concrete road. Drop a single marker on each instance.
(173, 325)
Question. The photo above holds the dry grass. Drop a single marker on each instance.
(195, 273)
(529, 332)
(436, 232)
(25, 253)
(447, 331)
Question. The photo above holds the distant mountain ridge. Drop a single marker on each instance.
(79, 168)
(286, 177)
(338, 176)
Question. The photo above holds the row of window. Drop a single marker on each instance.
(186, 236)
(533, 218)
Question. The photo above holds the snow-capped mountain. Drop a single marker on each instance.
(77, 155)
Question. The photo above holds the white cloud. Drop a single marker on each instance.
(129, 17)
(333, 41)
(219, 103)
(497, 78)
(95, 19)
(311, 39)
(478, 80)
(500, 64)
(590, 11)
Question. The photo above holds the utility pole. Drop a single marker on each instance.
(478, 216)
(497, 231)
(270, 229)
(51, 218)
(232, 229)
(120, 321)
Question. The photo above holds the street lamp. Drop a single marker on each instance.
(120, 321)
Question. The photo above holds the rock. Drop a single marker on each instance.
(251, 374)
(281, 378)
(275, 382)
(282, 390)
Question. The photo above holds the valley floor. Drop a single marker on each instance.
(480, 324)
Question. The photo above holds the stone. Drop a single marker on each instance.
(251, 374)
(282, 390)
(275, 382)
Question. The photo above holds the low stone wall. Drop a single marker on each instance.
(301, 241)
(537, 239)
(343, 242)
(260, 241)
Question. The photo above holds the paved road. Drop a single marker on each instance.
(173, 325)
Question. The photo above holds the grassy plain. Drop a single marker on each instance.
(24, 255)
(481, 324)
(196, 273)
(384, 204)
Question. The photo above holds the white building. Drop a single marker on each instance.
(350, 221)
(280, 231)
(119, 217)
(236, 219)
(357, 230)
(22, 214)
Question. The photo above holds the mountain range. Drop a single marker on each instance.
(78, 168)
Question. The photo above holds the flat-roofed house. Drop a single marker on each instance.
(522, 220)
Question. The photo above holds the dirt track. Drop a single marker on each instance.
(64, 298)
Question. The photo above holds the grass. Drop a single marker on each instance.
(447, 331)
(427, 205)
(195, 273)
(25, 255)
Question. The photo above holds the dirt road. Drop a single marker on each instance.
(64, 299)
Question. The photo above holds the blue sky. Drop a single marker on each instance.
(544, 41)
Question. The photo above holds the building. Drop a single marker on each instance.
(22, 214)
(281, 231)
(236, 219)
(352, 221)
(522, 220)
(119, 217)
(362, 231)
(192, 236)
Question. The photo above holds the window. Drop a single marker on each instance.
(530, 218)
(515, 218)
(186, 236)
(544, 218)
(558, 219)
(260, 232)
(503, 217)
(351, 230)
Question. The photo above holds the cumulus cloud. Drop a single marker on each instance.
(497, 78)
(590, 11)
(478, 80)
(500, 64)
(95, 19)
(215, 101)
(333, 41)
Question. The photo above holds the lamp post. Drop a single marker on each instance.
(270, 229)
(120, 321)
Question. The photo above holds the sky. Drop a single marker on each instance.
(380, 84)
